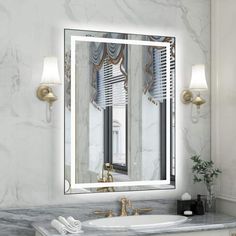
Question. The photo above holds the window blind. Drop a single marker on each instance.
(111, 85)
(158, 89)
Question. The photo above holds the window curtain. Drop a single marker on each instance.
(155, 81)
(114, 53)
(67, 69)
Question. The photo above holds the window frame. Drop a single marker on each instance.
(163, 156)
(163, 140)
(108, 140)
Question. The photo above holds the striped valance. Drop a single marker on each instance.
(109, 76)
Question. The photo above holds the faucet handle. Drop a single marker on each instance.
(123, 199)
(129, 203)
(126, 201)
(108, 213)
(137, 211)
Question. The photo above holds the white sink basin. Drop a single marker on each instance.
(134, 222)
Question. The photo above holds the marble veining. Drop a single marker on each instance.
(23, 222)
(18, 222)
(194, 224)
(129, 13)
(68, 10)
(194, 147)
(31, 150)
(180, 5)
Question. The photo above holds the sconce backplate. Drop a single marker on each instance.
(42, 91)
(186, 96)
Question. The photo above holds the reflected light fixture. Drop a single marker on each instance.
(198, 84)
(50, 78)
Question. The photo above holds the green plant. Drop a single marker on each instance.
(204, 171)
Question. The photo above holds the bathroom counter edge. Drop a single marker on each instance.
(195, 224)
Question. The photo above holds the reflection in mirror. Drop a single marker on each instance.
(119, 112)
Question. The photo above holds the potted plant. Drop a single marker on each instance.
(204, 171)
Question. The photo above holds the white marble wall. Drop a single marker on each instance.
(82, 104)
(96, 129)
(31, 151)
(151, 161)
(135, 72)
(223, 100)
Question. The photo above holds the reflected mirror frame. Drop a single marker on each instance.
(172, 157)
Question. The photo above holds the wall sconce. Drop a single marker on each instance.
(50, 77)
(198, 83)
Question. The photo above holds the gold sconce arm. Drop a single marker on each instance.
(198, 101)
(45, 93)
(198, 83)
(50, 76)
(187, 97)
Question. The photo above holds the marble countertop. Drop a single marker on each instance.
(24, 222)
(18, 222)
(195, 223)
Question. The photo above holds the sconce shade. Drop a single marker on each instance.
(50, 74)
(198, 80)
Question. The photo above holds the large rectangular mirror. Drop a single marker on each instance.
(119, 112)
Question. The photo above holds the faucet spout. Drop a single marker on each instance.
(125, 203)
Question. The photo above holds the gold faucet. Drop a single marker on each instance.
(106, 178)
(125, 203)
(137, 211)
(108, 213)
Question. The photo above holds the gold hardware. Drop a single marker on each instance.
(198, 101)
(108, 167)
(45, 93)
(187, 97)
(125, 203)
(107, 177)
(137, 211)
(108, 213)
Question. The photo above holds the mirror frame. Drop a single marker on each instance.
(74, 187)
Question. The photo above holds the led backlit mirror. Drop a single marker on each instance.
(119, 112)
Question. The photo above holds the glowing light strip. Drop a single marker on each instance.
(73, 148)
(121, 184)
(73, 151)
(168, 114)
(119, 41)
